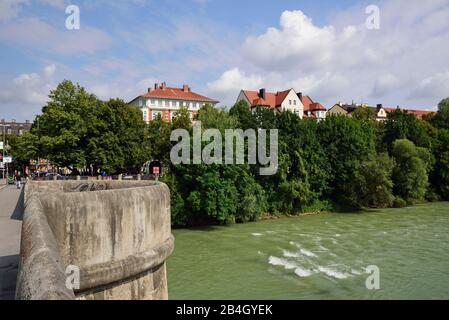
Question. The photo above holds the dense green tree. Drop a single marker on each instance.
(242, 112)
(347, 144)
(364, 114)
(440, 177)
(404, 125)
(410, 173)
(373, 182)
(441, 118)
(182, 119)
(76, 130)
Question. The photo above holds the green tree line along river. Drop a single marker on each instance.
(317, 257)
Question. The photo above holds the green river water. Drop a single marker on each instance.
(317, 257)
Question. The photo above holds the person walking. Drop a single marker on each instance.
(18, 179)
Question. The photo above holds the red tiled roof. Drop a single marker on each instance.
(309, 105)
(418, 113)
(176, 94)
(271, 100)
(317, 106)
(307, 102)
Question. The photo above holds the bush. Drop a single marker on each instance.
(399, 203)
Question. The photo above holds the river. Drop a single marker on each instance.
(317, 257)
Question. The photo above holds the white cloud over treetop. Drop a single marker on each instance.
(404, 62)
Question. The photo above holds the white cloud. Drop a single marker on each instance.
(10, 9)
(298, 40)
(231, 82)
(402, 63)
(49, 70)
(37, 34)
(384, 85)
(436, 85)
(27, 92)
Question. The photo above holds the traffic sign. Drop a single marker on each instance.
(7, 159)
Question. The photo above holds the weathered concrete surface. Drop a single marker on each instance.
(11, 210)
(116, 232)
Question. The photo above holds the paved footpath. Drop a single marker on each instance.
(11, 211)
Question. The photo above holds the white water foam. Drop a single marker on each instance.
(356, 272)
(303, 251)
(257, 234)
(290, 254)
(303, 273)
(333, 273)
(275, 261)
(307, 253)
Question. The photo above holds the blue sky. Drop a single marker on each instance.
(321, 48)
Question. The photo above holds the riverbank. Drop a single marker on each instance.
(322, 257)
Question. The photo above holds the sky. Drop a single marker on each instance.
(321, 48)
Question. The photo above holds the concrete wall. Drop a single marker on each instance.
(116, 232)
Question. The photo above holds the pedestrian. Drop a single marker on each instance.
(18, 179)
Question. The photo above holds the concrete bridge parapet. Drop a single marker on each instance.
(116, 233)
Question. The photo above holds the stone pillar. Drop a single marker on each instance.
(120, 177)
(78, 178)
(139, 177)
(99, 177)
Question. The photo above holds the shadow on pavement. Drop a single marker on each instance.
(8, 276)
(18, 210)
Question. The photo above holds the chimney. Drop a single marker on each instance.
(185, 88)
(300, 95)
(156, 86)
(150, 89)
(263, 93)
(379, 106)
(164, 86)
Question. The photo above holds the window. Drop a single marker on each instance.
(184, 103)
(9, 131)
(145, 115)
(289, 102)
(197, 104)
(163, 103)
(170, 103)
(294, 102)
(177, 104)
(190, 105)
(156, 102)
(156, 114)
